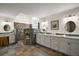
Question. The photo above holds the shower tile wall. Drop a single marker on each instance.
(20, 30)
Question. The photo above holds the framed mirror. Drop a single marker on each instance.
(6, 27)
(70, 26)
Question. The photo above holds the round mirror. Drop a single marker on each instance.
(70, 26)
(6, 27)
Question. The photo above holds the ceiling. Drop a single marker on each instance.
(34, 9)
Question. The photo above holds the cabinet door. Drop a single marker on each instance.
(47, 41)
(42, 39)
(75, 49)
(38, 40)
(12, 38)
(54, 43)
(64, 46)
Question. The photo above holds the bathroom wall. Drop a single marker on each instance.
(23, 18)
(63, 19)
(27, 19)
(6, 19)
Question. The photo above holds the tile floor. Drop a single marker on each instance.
(20, 49)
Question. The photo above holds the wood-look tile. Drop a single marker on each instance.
(20, 49)
(35, 50)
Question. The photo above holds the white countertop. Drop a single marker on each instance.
(4, 35)
(64, 36)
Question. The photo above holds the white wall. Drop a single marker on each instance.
(62, 21)
(23, 18)
(6, 19)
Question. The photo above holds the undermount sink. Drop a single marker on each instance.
(74, 35)
(48, 33)
(45, 33)
(59, 34)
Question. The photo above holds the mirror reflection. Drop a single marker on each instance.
(70, 26)
(6, 27)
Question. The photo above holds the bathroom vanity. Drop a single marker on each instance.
(65, 44)
(7, 35)
(64, 35)
(4, 41)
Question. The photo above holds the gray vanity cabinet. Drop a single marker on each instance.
(54, 43)
(69, 46)
(60, 44)
(12, 38)
(38, 39)
(47, 41)
(42, 40)
(74, 47)
(64, 46)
